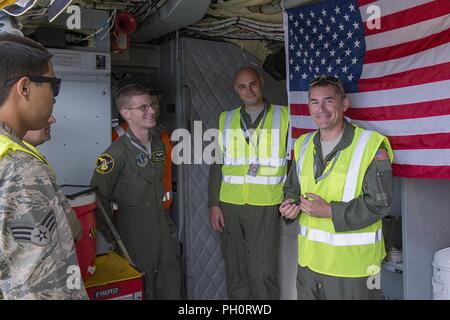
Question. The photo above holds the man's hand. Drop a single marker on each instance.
(289, 209)
(317, 207)
(216, 219)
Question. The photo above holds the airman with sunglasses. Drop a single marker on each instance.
(37, 250)
(339, 188)
(39, 136)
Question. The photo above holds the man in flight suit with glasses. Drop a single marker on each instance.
(130, 173)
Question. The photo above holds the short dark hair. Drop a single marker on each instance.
(20, 56)
(125, 93)
(6, 36)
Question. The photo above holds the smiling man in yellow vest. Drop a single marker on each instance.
(244, 192)
(341, 187)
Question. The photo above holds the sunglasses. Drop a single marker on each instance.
(327, 79)
(55, 83)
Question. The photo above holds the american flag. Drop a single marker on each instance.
(395, 67)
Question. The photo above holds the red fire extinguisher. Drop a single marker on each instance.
(124, 25)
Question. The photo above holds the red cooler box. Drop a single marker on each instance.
(115, 279)
(82, 200)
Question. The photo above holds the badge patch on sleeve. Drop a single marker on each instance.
(158, 156)
(104, 164)
(39, 234)
(381, 155)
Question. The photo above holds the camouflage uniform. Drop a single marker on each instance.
(37, 252)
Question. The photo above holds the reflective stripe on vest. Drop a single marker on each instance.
(344, 239)
(302, 153)
(226, 127)
(355, 165)
(253, 180)
(270, 162)
(275, 132)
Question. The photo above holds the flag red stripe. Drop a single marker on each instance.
(423, 172)
(297, 132)
(364, 2)
(421, 141)
(405, 111)
(299, 109)
(407, 48)
(411, 16)
(408, 78)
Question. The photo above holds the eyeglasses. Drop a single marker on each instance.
(145, 107)
(54, 82)
(327, 79)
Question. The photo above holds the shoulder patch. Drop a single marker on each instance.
(104, 163)
(39, 234)
(381, 155)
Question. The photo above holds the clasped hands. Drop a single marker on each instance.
(312, 205)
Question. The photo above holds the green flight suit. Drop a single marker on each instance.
(250, 240)
(127, 174)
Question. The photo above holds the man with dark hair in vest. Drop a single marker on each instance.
(340, 186)
(245, 191)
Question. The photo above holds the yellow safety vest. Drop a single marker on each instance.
(356, 253)
(266, 149)
(7, 145)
